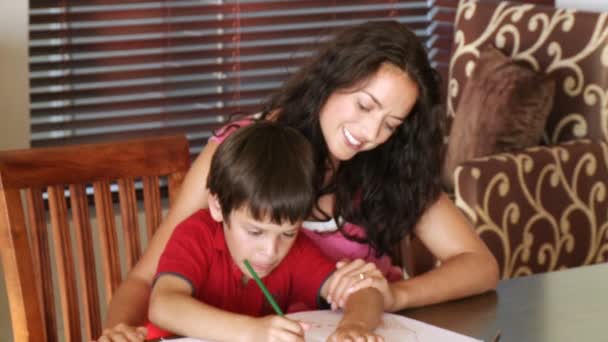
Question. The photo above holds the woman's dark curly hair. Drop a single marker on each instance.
(384, 190)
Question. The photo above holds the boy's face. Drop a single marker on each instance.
(263, 243)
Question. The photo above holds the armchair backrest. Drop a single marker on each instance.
(570, 45)
(543, 208)
(41, 260)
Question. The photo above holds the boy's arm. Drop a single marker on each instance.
(362, 313)
(173, 308)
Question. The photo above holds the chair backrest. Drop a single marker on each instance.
(412, 256)
(569, 45)
(52, 245)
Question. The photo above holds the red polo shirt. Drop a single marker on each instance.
(198, 253)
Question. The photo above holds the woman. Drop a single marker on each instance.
(368, 102)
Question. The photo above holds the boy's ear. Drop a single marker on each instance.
(215, 208)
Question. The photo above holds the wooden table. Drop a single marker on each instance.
(569, 305)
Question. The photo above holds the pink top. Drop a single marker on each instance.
(331, 241)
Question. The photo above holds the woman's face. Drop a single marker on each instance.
(361, 118)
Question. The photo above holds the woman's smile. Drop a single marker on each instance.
(351, 140)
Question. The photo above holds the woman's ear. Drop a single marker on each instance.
(215, 208)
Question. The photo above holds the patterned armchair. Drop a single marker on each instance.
(543, 208)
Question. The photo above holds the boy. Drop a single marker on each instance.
(260, 189)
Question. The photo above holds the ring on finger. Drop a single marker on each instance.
(361, 276)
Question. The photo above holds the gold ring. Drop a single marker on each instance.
(361, 276)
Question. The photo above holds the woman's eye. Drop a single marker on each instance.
(289, 235)
(363, 108)
(254, 232)
(391, 128)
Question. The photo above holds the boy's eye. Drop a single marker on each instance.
(254, 232)
(289, 234)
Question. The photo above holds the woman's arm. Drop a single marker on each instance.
(129, 303)
(467, 266)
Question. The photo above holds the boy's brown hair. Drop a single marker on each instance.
(267, 167)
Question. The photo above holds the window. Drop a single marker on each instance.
(109, 69)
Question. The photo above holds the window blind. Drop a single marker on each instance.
(109, 69)
(440, 34)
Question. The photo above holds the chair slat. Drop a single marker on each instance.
(41, 254)
(107, 236)
(19, 276)
(86, 261)
(128, 215)
(152, 204)
(68, 289)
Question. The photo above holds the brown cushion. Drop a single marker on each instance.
(503, 107)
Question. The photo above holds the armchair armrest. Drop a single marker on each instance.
(541, 209)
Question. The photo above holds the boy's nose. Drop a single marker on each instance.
(270, 248)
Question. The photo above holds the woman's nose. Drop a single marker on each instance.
(371, 127)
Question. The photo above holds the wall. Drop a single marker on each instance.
(14, 85)
(14, 99)
(588, 5)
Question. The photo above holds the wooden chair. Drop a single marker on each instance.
(413, 256)
(56, 254)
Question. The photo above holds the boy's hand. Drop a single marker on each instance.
(354, 332)
(352, 276)
(276, 328)
(123, 333)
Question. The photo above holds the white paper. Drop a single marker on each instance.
(394, 328)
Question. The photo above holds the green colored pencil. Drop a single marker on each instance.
(267, 294)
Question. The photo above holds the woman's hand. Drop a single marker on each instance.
(352, 276)
(276, 328)
(123, 333)
(354, 332)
